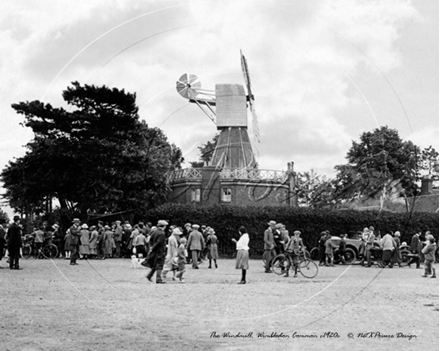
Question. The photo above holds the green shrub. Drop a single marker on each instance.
(311, 222)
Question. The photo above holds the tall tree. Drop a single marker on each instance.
(379, 162)
(206, 152)
(430, 162)
(313, 190)
(99, 157)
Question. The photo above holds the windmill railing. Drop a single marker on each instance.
(230, 173)
(184, 174)
(254, 174)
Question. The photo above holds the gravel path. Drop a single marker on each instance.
(106, 305)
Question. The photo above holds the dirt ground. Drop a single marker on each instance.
(106, 305)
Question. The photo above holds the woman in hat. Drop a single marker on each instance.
(93, 243)
(242, 246)
(108, 239)
(211, 244)
(397, 255)
(172, 248)
(85, 241)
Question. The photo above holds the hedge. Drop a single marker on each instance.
(227, 219)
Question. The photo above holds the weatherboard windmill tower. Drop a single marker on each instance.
(227, 108)
(232, 175)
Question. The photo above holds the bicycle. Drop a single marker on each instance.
(306, 266)
(306, 253)
(29, 249)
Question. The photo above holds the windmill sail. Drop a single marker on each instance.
(251, 99)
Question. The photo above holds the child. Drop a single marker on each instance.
(211, 244)
(429, 252)
(293, 248)
(181, 254)
(67, 243)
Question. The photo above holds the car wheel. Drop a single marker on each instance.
(349, 255)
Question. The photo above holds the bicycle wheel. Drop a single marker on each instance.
(50, 251)
(279, 264)
(308, 268)
(26, 251)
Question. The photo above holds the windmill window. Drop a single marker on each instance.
(195, 195)
(226, 194)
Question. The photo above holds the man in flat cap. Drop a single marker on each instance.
(156, 258)
(269, 245)
(195, 244)
(74, 244)
(14, 243)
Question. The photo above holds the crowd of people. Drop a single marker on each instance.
(169, 248)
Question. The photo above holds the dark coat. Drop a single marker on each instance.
(415, 244)
(156, 257)
(14, 237)
(75, 234)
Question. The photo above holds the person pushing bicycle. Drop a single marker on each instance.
(293, 250)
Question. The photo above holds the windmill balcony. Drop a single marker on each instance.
(254, 174)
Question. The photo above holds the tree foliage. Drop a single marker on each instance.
(379, 162)
(206, 152)
(98, 157)
(4, 218)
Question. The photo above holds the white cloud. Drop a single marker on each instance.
(310, 63)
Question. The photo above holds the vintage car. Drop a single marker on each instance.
(353, 249)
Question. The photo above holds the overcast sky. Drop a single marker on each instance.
(322, 72)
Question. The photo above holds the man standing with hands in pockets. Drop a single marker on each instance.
(269, 245)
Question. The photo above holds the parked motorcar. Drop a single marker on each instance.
(353, 249)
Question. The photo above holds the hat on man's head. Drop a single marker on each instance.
(118, 222)
(187, 225)
(195, 226)
(397, 234)
(85, 226)
(16, 218)
(106, 226)
(55, 226)
(272, 223)
(162, 223)
(177, 231)
(76, 220)
(297, 232)
(278, 225)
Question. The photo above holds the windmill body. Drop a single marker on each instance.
(233, 149)
(232, 175)
(227, 108)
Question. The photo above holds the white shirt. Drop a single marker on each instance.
(242, 243)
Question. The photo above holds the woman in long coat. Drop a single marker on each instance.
(108, 239)
(84, 240)
(93, 243)
(211, 243)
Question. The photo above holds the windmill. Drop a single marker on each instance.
(227, 108)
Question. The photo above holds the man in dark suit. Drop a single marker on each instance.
(14, 243)
(156, 258)
(195, 244)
